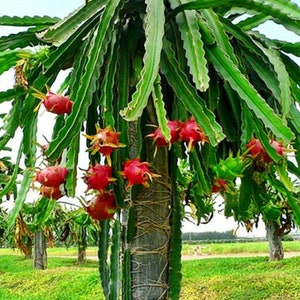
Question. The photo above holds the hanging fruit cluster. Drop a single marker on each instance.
(259, 155)
(98, 177)
(229, 169)
(188, 131)
(226, 171)
(52, 179)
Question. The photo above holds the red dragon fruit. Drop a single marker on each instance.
(159, 138)
(104, 141)
(51, 192)
(192, 133)
(258, 152)
(54, 103)
(219, 185)
(52, 176)
(137, 172)
(57, 104)
(98, 177)
(103, 206)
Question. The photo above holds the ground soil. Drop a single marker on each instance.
(207, 256)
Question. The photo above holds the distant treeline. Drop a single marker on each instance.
(209, 235)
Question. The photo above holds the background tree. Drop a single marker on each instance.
(134, 63)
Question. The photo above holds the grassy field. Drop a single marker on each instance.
(234, 248)
(241, 278)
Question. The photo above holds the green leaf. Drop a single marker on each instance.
(217, 29)
(8, 59)
(282, 77)
(154, 31)
(11, 94)
(187, 22)
(283, 12)
(293, 202)
(295, 118)
(11, 121)
(160, 110)
(21, 197)
(292, 48)
(254, 101)
(284, 176)
(13, 177)
(189, 96)
(247, 188)
(71, 165)
(292, 68)
(271, 212)
(102, 255)
(253, 21)
(45, 208)
(27, 21)
(131, 228)
(63, 30)
(19, 40)
(201, 172)
(264, 72)
(197, 5)
(107, 86)
(82, 94)
(115, 262)
(127, 274)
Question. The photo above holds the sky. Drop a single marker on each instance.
(62, 8)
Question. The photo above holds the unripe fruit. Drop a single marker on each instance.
(230, 168)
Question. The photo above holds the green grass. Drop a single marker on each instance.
(253, 278)
(62, 280)
(240, 278)
(233, 248)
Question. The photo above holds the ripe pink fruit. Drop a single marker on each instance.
(57, 104)
(192, 133)
(54, 103)
(137, 172)
(258, 152)
(51, 192)
(52, 176)
(255, 147)
(278, 147)
(159, 138)
(102, 206)
(219, 185)
(104, 141)
(98, 177)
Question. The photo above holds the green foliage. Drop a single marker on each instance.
(167, 60)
